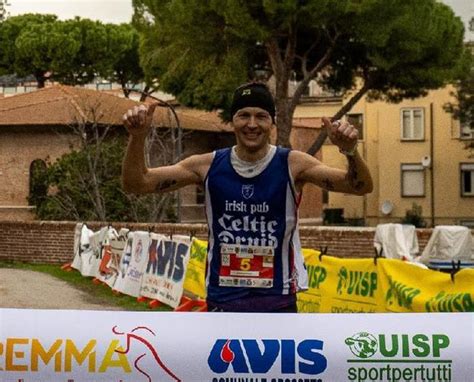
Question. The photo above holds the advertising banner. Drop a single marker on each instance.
(195, 281)
(339, 285)
(150, 280)
(133, 264)
(92, 257)
(164, 275)
(112, 250)
(48, 345)
(387, 285)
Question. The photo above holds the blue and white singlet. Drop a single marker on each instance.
(254, 246)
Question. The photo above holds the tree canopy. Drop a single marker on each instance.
(200, 51)
(463, 108)
(71, 51)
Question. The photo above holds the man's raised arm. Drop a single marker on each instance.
(137, 177)
(355, 180)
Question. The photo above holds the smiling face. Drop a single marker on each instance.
(252, 128)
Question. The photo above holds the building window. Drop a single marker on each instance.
(412, 124)
(357, 120)
(467, 179)
(466, 131)
(413, 180)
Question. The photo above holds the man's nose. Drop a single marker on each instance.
(252, 121)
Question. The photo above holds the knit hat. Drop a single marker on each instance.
(253, 95)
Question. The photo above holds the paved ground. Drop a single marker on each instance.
(28, 289)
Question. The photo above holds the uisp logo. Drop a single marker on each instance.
(250, 356)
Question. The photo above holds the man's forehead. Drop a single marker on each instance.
(252, 109)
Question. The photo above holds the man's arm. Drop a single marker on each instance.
(137, 178)
(355, 180)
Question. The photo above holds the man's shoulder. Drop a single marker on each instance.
(198, 163)
(299, 162)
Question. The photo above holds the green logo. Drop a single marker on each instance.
(356, 283)
(362, 345)
(401, 294)
(246, 92)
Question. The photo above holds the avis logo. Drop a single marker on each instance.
(252, 356)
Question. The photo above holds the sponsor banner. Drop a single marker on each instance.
(386, 285)
(82, 246)
(150, 280)
(364, 285)
(409, 288)
(194, 281)
(92, 257)
(112, 250)
(49, 345)
(340, 285)
(133, 264)
(165, 272)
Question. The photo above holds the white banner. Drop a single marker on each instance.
(93, 255)
(133, 264)
(82, 248)
(73, 346)
(112, 250)
(166, 269)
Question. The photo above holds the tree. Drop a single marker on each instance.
(10, 29)
(45, 48)
(126, 67)
(85, 183)
(388, 49)
(71, 52)
(463, 108)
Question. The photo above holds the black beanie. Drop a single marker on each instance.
(253, 95)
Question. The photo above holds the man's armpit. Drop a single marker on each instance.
(166, 185)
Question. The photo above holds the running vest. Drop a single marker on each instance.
(254, 245)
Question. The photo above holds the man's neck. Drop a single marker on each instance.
(251, 156)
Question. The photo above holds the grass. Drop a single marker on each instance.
(98, 294)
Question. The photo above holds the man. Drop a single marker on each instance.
(253, 189)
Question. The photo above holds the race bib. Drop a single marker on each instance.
(246, 266)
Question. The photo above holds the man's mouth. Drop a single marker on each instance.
(252, 135)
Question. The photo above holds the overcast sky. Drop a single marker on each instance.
(117, 11)
(109, 11)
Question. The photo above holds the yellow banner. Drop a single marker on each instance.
(367, 286)
(195, 282)
(363, 285)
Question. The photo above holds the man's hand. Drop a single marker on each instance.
(138, 120)
(341, 134)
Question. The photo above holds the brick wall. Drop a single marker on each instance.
(52, 242)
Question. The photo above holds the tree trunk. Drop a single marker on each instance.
(40, 79)
(318, 143)
(284, 120)
(144, 93)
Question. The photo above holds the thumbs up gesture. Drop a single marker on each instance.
(138, 119)
(342, 134)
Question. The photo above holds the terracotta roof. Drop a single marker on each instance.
(65, 105)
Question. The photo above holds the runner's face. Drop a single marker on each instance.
(252, 127)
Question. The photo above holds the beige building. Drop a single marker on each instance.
(416, 156)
